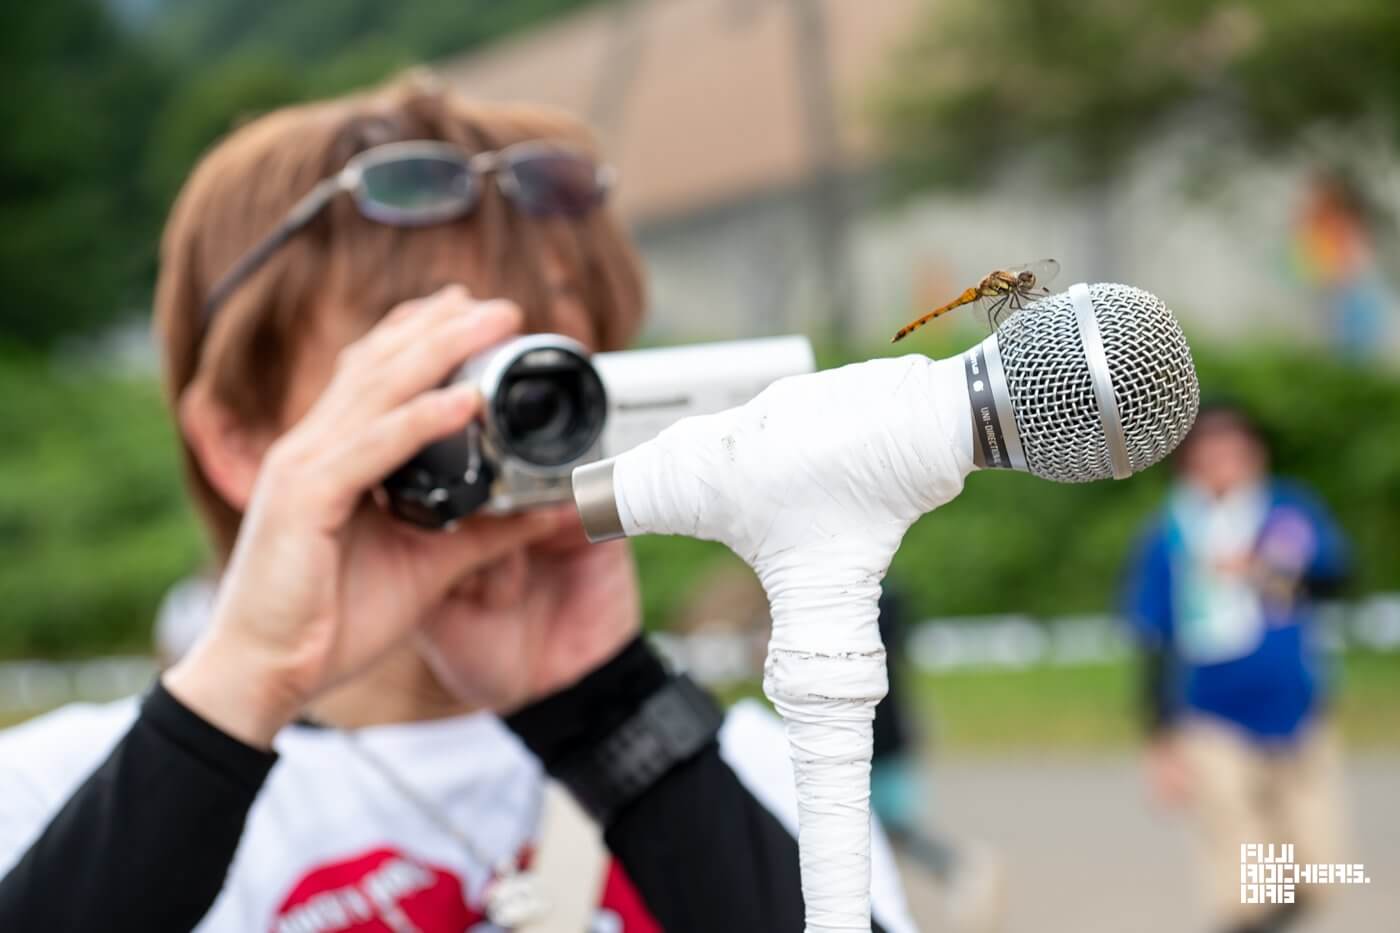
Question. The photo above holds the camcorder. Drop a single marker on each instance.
(550, 406)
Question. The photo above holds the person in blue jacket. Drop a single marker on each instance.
(1220, 599)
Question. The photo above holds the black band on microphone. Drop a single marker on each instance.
(990, 451)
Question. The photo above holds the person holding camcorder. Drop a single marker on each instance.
(384, 726)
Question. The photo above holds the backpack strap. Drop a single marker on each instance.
(570, 864)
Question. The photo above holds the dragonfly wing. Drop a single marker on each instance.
(995, 308)
(1044, 271)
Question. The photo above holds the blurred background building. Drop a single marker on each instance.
(749, 139)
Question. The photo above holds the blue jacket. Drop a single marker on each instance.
(1271, 690)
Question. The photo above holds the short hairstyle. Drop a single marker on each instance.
(1222, 413)
(244, 187)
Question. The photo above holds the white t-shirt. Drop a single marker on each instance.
(1219, 616)
(331, 845)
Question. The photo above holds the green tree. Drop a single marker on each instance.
(1084, 83)
(200, 33)
(208, 105)
(104, 120)
(76, 226)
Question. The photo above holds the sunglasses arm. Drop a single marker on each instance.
(301, 214)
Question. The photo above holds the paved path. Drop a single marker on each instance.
(1082, 852)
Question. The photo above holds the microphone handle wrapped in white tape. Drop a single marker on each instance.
(815, 481)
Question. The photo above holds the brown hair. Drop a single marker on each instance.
(244, 187)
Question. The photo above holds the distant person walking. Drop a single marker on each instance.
(1219, 597)
(1335, 254)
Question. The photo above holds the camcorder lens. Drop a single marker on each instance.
(550, 407)
(538, 407)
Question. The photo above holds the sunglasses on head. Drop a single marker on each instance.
(424, 182)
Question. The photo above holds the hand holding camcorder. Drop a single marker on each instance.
(549, 406)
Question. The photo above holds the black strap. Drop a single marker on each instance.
(671, 726)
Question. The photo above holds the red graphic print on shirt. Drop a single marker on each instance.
(387, 891)
(383, 891)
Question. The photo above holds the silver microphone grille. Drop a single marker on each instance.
(1052, 391)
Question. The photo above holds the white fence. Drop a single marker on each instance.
(26, 686)
(950, 644)
(1020, 641)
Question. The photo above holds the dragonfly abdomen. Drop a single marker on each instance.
(965, 298)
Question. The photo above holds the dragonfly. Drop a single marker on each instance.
(998, 294)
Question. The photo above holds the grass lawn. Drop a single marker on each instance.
(1075, 709)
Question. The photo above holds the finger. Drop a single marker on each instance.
(411, 323)
(414, 306)
(379, 372)
(426, 353)
(365, 456)
(357, 363)
(503, 582)
(399, 327)
(479, 542)
(570, 534)
(432, 352)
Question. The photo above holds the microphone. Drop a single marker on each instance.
(815, 481)
(1094, 382)
(1091, 383)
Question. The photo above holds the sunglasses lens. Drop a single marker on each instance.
(556, 183)
(422, 188)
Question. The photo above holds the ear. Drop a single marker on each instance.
(229, 452)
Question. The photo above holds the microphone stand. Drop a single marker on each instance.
(813, 483)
